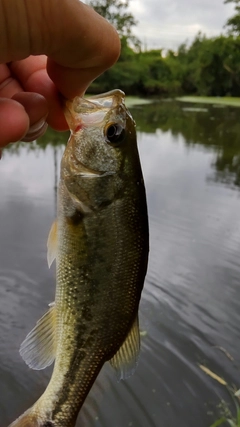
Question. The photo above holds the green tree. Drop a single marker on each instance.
(233, 23)
(208, 67)
(117, 13)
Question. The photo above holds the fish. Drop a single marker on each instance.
(100, 241)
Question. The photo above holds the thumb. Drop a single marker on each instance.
(69, 32)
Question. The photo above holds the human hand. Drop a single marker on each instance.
(48, 47)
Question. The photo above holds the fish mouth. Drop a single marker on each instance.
(79, 169)
(108, 99)
(82, 112)
(91, 174)
(98, 103)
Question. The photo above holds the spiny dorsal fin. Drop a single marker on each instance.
(126, 358)
(39, 347)
(52, 244)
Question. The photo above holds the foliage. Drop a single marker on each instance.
(212, 66)
(234, 22)
(117, 13)
(233, 420)
(208, 67)
(226, 415)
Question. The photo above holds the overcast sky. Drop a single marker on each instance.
(168, 23)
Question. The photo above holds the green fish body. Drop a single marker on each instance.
(100, 242)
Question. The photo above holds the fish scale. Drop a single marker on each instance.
(100, 242)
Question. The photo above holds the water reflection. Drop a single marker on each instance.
(190, 305)
(216, 129)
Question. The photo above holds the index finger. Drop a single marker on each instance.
(32, 74)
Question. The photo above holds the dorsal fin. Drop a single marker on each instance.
(52, 244)
(39, 347)
(126, 358)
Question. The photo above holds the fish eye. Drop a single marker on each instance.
(115, 133)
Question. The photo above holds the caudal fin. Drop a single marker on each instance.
(31, 419)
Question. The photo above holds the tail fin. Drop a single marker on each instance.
(31, 419)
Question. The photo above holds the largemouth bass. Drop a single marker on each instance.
(100, 243)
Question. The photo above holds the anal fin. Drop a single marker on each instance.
(126, 358)
(39, 347)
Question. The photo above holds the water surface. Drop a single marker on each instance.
(190, 309)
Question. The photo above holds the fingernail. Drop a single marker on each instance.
(35, 131)
(36, 127)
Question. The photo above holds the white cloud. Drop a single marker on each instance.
(168, 23)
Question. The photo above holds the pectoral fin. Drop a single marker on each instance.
(52, 244)
(39, 347)
(126, 358)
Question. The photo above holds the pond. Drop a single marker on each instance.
(190, 307)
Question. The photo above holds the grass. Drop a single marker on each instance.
(233, 420)
(234, 102)
(227, 417)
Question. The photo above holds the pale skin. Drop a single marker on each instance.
(48, 48)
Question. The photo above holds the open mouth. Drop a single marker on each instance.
(79, 169)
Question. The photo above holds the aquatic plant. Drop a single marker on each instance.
(233, 420)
